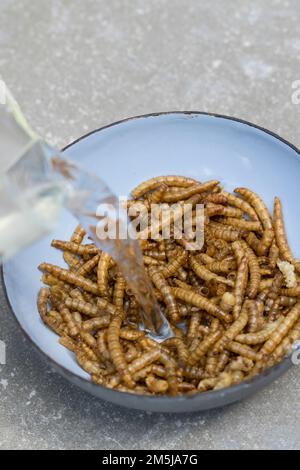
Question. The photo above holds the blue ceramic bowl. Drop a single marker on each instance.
(203, 146)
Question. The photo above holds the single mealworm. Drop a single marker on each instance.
(102, 273)
(201, 302)
(254, 270)
(280, 233)
(155, 182)
(279, 333)
(70, 277)
(168, 296)
(206, 274)
(75, 248)
(204, 347)
(259, 336)
(240, 286)
(115, 349)
(262, 212)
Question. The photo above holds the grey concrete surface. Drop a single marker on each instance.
(76, 65)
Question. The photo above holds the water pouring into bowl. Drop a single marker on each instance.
(36, 181)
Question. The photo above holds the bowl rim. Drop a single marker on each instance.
(276, 369)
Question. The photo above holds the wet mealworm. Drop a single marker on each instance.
(181, 349)
(233, 330)
(236, 319)
(201, 302)
(204, 347)
(166, 291)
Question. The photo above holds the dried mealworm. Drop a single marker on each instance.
(70, 277)
(75, 248)
(223, 266)
(279, 333)
(254, 270)
(156, 385)
(224, 380)
(131, 334)
(102, 273)
(242, 224)
(259, 336)
(291, 292)
(262, 212)
(88, 266)
(226, 210)
(178, 195)
(206, 274)
(72, 260)
(224, 232)
(233, 330)
(157, 181)
(96, 323)
(201, 302)
(173, 266)
(207, 384)
(181, 348)
(204, 346)
(42, 301)
(227, 302)
(171, 376)
(240, 363)
(240, 286)
(168, 296)
(240, 204)
(157, 194)
(241, 349)
(253, 316)
(67, 342)
(273, 253)
(119, 291)
(78, 235)
(91, 367)
(115, 349)
(280, 233)
(70, 322)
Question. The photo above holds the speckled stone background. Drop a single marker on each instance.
(76, 65)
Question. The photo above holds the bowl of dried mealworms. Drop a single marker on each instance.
(233, 302)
